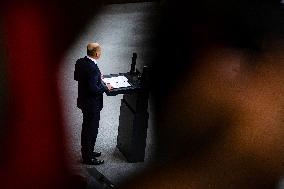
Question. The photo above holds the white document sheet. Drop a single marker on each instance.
(117, 82)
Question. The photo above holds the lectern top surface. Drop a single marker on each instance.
(132, 79)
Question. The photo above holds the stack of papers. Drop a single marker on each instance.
(117, 82)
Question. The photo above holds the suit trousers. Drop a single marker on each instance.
(89, 132)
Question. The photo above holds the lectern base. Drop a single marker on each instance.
(132, 133)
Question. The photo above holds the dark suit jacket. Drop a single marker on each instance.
(90, 86)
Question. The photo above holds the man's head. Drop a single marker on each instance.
(94, 50)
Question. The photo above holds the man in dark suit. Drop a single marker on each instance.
(90, 101)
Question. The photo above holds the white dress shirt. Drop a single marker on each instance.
(94, 60)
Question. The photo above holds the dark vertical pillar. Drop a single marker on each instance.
(133, 63)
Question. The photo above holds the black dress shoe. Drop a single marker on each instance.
(96, 154)
(93, 161)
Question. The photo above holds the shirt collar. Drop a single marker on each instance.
(94, 60)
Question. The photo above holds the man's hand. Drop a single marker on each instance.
(109, 86)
